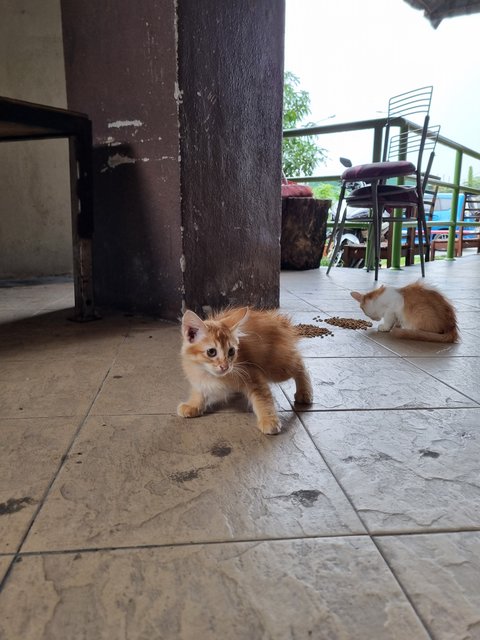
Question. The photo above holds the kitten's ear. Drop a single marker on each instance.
(356, 296)
(235, 319)
(193, 327)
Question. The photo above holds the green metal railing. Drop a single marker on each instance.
(377, 127)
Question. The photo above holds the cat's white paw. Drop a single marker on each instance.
(304, 397)
(270, 425)
(383, 327)
(188, 411)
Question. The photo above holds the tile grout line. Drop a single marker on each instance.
(441, 381)
(62, 461)
(368, 533)
(404, 591)
(171, 545)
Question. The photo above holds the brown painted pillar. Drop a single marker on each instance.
(185, 100)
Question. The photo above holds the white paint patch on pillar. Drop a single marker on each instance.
(117, 159)
(124, 123)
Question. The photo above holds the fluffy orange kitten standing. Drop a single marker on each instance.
(241, 350)
(415, 312)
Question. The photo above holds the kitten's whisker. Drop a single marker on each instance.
(240, 373)
(254, 364)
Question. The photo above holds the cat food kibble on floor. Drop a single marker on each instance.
(311, 331)
(348, 323)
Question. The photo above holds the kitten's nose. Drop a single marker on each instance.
(223, 366)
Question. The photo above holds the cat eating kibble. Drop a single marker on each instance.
(414, 312)
(241, 350)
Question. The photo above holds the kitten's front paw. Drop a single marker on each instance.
(383, 327)
(304, 397)
(188, 411)
(270, 425)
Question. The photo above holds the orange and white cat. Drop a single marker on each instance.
(414, 312)
(241, 350)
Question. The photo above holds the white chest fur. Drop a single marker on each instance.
(389, 305)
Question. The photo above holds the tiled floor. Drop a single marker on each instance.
(118, 519)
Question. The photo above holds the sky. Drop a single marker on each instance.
(352, 56)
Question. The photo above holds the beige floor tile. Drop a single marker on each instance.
(469, 346)
(469, 301)
(290, 303)
(467, 319)
(152, 340)
(164, 480)
(441, 575)
(31, 453)
(374, 383)
(4, 564)
(46, 388)
(240, 591)
(461, 374)
(42, 295)
(62, 339)
(142, 386)
(10, 316)
(405, 470)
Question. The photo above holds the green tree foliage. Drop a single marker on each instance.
(472, 180)
(326, 191)
(300, 155)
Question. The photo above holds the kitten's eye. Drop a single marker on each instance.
(211, 353)
(231, 352)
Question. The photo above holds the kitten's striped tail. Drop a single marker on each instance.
(427, 336)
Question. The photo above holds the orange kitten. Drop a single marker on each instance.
(241, 350)
(415, 312)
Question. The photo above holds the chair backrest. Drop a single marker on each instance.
(471, 207)
(429, 199)
(416, 144)
(415, 102)
(470, 212)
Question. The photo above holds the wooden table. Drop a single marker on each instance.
(27, 121)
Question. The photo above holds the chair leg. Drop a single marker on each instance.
(338, 227)
(377, 226)
(422, 229)
(337, 215)
(426, 232)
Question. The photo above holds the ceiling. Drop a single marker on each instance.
(437, 10)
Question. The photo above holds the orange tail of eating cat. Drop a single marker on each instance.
(427, 336)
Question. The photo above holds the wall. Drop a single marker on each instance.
(35, 224)
(121, 66)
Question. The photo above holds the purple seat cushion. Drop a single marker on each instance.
(378, 170)
(387, 194)
(384, 190)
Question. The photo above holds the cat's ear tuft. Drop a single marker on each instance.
(193, 327)
(243, 317)
(356, 296)
(235, 319)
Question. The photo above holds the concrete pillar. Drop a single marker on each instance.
(185, 100)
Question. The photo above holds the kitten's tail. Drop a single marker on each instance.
(427, 336)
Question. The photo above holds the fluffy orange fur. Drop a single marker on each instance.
(241, 350)
(414, 312)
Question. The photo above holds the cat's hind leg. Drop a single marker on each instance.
(195, 405)
(303, 385)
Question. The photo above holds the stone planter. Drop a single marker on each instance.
(304, 229)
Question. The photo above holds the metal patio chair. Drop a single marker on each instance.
(378, 195)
